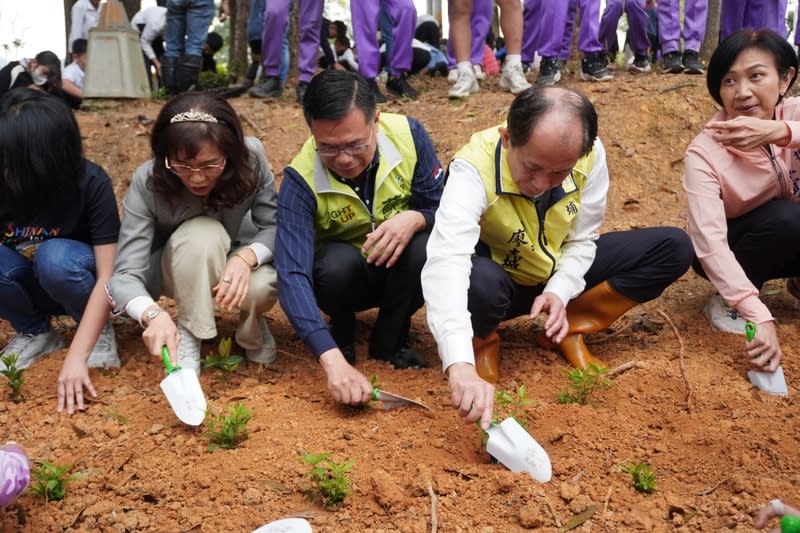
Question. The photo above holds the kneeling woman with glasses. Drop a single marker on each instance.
(199, 227)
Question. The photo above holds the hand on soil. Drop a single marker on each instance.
(73, 378)
(556, 325)
(471, 395)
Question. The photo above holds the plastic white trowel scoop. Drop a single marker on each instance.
(769, 382)
(183, 392)
(287, 525)
(510, 444)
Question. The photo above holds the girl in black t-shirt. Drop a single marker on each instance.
(59, 226)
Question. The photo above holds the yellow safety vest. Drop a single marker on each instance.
(511, 226)
(341, 215)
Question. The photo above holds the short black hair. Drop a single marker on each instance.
(736, 43)
(41, 152)
(332, 94)
(214, 41)
(343, 40)
(79, 46)
(51, 61)
(532, 104)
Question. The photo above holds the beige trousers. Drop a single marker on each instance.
(192, 263)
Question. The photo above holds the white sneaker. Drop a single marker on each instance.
(104, 354)
(452, 75)
(513, 79)
(480, 75)
(188, 350)
(266, 353)
(465, 86)
(722, 317)
(29, 348)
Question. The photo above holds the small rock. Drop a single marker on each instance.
(111, 429)
(568, 491)
(155, 428)
(98, 509)
(252, 496)
(131, 521)
(532, 516)
(386, 492)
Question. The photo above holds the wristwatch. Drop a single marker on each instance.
(151, 312)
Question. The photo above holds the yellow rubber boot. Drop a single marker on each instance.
(591, 311)
(487, 357)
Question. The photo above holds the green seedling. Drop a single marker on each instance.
(583, 383)
(223, 360)
(512, 404)
(14, 375)
(50, 480)
(330, 479)
(228, 430)
(643, 478)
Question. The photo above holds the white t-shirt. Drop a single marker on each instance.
(74, 73)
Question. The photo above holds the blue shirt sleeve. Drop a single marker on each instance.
(294, 260)
(428, 181)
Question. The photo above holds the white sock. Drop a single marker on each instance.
(513, 59)
(464, 66)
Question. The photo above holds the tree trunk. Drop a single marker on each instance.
(712, 30)
(131, 7)
(238, 46)
(68, 23)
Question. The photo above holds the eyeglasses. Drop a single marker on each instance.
(350, 149)
(185, 171)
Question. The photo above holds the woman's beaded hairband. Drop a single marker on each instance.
(193, 116)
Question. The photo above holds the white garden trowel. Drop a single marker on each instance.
(510, 444)
(183, 392)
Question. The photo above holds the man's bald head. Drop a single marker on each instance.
(566, 108)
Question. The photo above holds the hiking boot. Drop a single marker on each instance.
(300, 91)
(594, 67)
(266, 353)
(269, 87)
(722, 317)
(104, 354)
(30, 347)
(672, 63)
(513, 79)
(692, 63)
(549, 73)
(188, 350)
(399, 85)
(379, 97)
(466, 85)
(479, 73)
(640, 64)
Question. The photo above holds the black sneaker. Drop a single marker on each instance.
(407, 358)
(379, 97)
(300, 91)
(692, 63)
(594, 67)
(549, 73)
(672, 63)
(399, 85)
(269, 87)
(640, 63)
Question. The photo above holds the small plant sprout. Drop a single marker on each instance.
(50, 480)
(583, 383)
(228, 430)
(643, 478)
(14, 375)
(512, 404)
(223, 360)
(330, 479)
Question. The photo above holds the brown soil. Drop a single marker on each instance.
(720, 448)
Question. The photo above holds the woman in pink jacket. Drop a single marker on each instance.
(743, 187)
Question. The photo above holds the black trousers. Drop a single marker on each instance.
(765, 242)
(638, 264)
(344, 283)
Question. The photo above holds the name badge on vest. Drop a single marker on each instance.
(568, 185)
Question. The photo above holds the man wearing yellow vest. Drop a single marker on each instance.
(355, 210)
(516, 234)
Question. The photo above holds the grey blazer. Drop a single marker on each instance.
(149, 220)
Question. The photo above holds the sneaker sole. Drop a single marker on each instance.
(507, 86)
(694, 71)
(548, 83)
(456, 95)
(589, 77)
(639, 70)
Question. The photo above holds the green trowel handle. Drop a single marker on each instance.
(165, 357)
(750, 330)
(375, 392)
